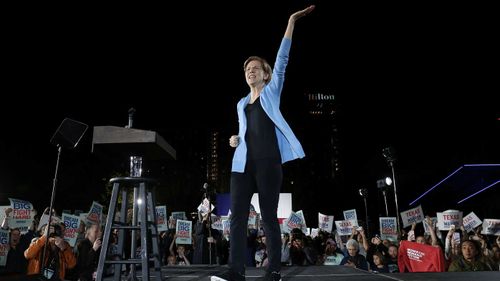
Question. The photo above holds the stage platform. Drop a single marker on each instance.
(320, 273)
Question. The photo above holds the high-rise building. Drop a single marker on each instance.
(322, 111)
(213, 157)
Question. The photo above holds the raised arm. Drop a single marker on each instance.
(5, 222)
(432, 231)
(171, 248)
(295, 16)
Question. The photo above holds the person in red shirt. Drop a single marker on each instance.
(416, 257)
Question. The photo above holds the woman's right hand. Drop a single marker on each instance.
(234, 140)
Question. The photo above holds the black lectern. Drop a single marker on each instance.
(119, 141)
(138, 145)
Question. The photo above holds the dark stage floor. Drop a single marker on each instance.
(321, 273)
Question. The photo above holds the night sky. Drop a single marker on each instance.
(418, 78)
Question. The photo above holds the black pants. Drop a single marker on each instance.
(265, 177)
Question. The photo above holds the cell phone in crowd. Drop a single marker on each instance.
(456, 237)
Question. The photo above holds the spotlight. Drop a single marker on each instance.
(388, 181)
(383, 185)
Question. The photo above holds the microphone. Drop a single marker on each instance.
(205, 186)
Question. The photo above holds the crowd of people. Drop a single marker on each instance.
(472, 252)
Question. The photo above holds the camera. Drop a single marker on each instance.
(57, 231)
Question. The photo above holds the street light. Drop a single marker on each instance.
(390, 156)
(383, 185)
(363, 192)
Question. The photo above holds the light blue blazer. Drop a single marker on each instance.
(289, 146)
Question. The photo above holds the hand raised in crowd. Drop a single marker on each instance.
(60, 243)
(297, 243)
(429, 223)
(413, 225)
(180, 251)
(234, 140)
(450, 232)
(8, 211)
(376, 240)
(411, 235)
(97, 244)
(477, 230)
(455, 247)
(48, 230)
(354, 232)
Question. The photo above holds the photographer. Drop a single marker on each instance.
(58, 258)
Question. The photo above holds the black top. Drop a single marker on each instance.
(87, 260)
(260, 136)
(16, 262)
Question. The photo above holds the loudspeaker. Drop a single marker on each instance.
(69, 133)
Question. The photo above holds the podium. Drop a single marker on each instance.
(124, 142)
(136, 145)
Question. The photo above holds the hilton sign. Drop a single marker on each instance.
(321, 97)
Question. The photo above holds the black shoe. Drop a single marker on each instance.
(228, 276)
(272, 276)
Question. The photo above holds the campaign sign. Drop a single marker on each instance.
(217, 223)
(294, 221)
(471, 221)
(183, 231)
(161, 218)
(172, 221)
(448, 218)
(491, 227)
(72, 224)
(304, 225)
(411, 216)
(345, 227)
(203, 207)
(314, 232)
(388, 228)
(351, 215)
(95, 214)
(325, 222)
(22, 213)
(252, 219)
(4, 246)
(179, 215)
